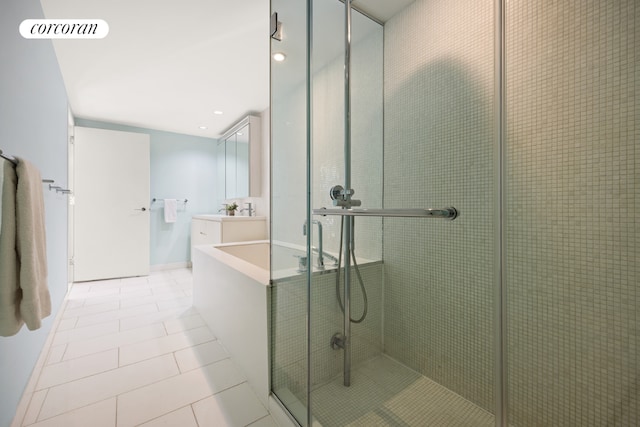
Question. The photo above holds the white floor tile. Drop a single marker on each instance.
(87, 294)
(135, 290)
(122, 296)
(73, 303)
(65, 324)
(56, 354)
(88, 311)
(99, 285)
(160, 288)
(82, 333)
(134, 281)
(183, 273)
(101, 414)
(166, 396)
(175, 303)
(267, 421)
(133, 353)
(122, 313)
(234, 407)
(183, 417)
(200, 355)
(82, 392)
(106, 342)
(184, 322)
(150, 318)
(80, 367)
(106, 324)
(160, 277)
(151, 299)
(169, 294)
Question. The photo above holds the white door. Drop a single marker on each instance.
(111, 204)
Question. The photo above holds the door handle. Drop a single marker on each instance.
(143, 209)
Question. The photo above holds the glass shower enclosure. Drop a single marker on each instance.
(454, 194)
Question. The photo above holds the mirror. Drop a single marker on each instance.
(230, 168)
(242, 159)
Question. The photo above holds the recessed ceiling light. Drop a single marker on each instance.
(217, 112)
(279, 56)
(240, 133)
(203, 127)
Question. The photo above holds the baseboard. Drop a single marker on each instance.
(172, 266)
(30, 389)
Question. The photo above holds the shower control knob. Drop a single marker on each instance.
(336, 192)
(337, 341)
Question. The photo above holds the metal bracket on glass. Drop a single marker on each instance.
(276, 27)
(447, 213)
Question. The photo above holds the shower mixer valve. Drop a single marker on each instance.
(342, 197)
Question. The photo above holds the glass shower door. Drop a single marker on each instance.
(418, 111)
(289, 289)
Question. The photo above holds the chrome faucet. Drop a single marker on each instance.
(249, 209)
(325, 255)
(319, 250)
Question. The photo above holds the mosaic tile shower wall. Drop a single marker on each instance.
(439, 148)
(572, 212)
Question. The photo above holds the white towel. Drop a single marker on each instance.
(31, 245)
(10, 320)
(170, 210)
(2, 162)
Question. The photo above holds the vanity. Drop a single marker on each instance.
(216, 229)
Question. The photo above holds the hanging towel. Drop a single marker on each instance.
(170, 210)
(10, 294)
(2, 162)
(31, 245)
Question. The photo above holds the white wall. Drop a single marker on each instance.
(33, 125)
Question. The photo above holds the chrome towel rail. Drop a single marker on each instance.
(447, 213)
(8, 157)
(158, 200)
(44, 181)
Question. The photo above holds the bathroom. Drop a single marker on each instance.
(521, 116)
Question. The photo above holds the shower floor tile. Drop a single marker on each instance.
(135, 352)
(384, 392)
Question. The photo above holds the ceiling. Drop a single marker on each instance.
(168, 64)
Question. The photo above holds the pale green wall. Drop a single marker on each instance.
(33, 125)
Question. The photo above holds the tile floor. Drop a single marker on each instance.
(384, 392)
(134, 352)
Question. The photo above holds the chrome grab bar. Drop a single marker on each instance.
(447, 213)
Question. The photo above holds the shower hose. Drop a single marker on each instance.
(357, 269)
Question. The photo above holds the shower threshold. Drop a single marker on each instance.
(384, 392)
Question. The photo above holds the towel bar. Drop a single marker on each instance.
(157, 200)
